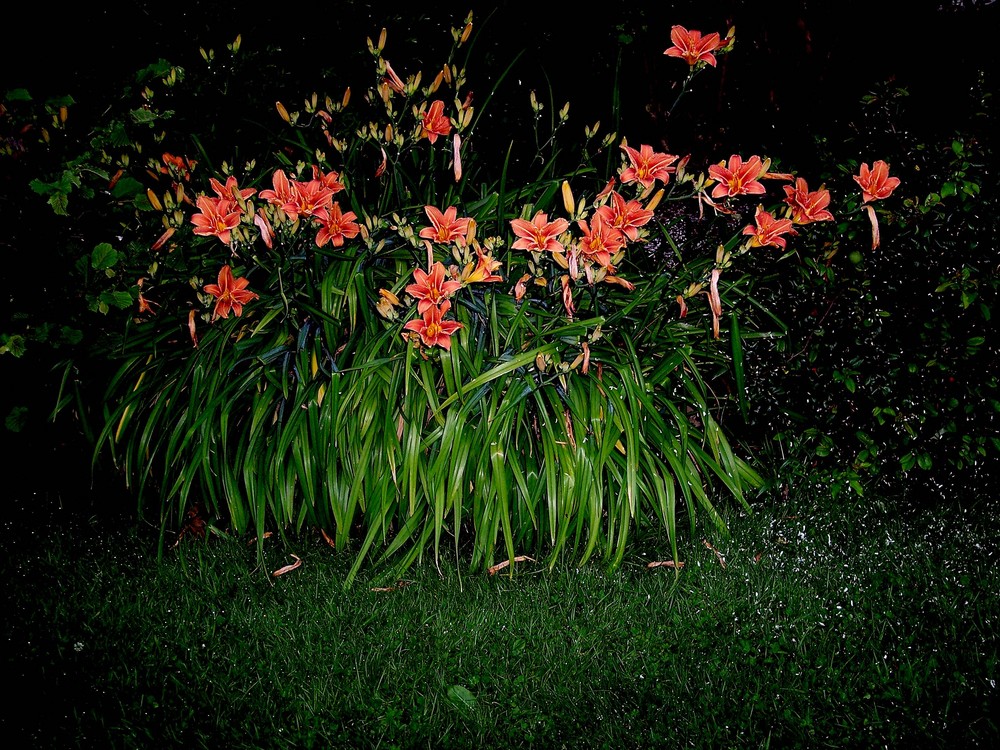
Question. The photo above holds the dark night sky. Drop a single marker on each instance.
(793, 59)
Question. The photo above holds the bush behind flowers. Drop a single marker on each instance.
(357, 327)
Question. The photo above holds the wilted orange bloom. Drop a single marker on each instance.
(431, 288)
(264, 225)
(807, 206)
(383, 164)
(600, 241)
(567, 295)
(217, 217)
(178, 167)
(876, 183)
(434, 122)
(739, 178)
(445, 227)
(647, 166)
(624, 216)
(392, 80)
(432, 328)
(692, 47)
(337, 227)
(387, 304)
(768, 230)
(230, 293)
(539, 234)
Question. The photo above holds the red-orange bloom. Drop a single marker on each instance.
(218, 218)
(311, 198)
(539, 234)
(768, 230)
(337, 227)
(647, 166)
(445, 227)
(692, 46)
(600, 241)
(876, 183)
(230, 293)
(432, 328)
(434, 122)
(739, 178)
(230, 190)
(431, 289)
(330, 180)
(807, 206)
(483, 269)
(282, 192)
(624, 216)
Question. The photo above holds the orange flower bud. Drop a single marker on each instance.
(282, 112)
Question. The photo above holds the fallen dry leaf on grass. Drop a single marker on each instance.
(665, 564)
(327, 539)
(718, 555)
(501, 565)
(288, 568)
(395, 587)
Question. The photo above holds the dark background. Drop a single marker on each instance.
(796, 67)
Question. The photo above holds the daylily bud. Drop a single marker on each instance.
(567, 196)
(465, 33)
(282, 112)
(154, 201)
(163, 239)
(651, 206)
(436, 83)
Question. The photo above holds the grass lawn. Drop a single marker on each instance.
(813, 625)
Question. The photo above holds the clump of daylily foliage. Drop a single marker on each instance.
(365, 332)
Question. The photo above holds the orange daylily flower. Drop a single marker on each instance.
(432, 328)
(807, 206)
(230, 190)
(876, 183)
(600, 241)
(282, 192)
(739, 177)
(231, 294)
(692, 47)
(434, 122)
(330, 180)
(337, 227)
(624, 216)
(647, 166)
(431, 289)
(311, 198)
(445, 227)
(539, 234)
(768, 230)
(217, 217)
(483, 269)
